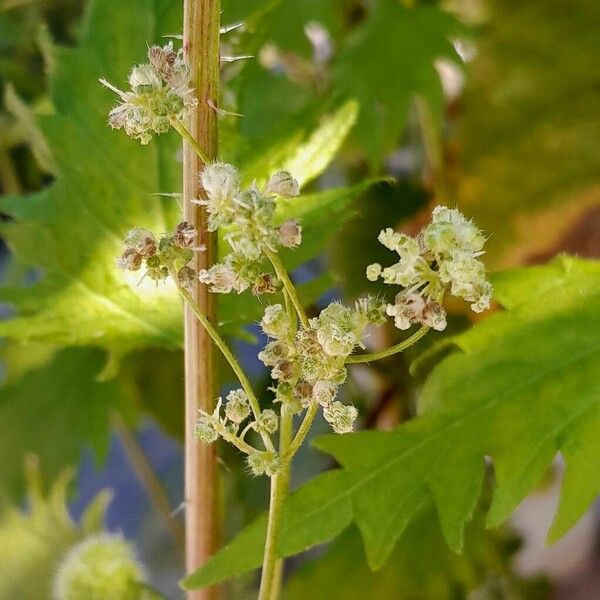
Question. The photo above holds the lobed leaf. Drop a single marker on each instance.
(524, 387)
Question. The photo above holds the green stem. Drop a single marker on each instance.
(302, 432)
(288, 285)
(272, 568)
(364, 358)
(189, 138)
(229, 356)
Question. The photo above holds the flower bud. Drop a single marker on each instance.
(373, 271)
(275, 322)
(185, 234)
(221, 278)
(264, 284)
(290, 234)
(142, 241)
(324, 392)
(267, 421)
(143, 76)
(340, 416)
(283, 184)
(238, 407)
(186, 277)
(130, 260)
(204, 429)
(220, 180)
(162, 59)
(263, 463)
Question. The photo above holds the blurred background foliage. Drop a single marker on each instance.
(488, 105)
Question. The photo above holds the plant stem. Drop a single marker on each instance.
(272, 568)
(364, 358)
(302, 432)
(201, 47)
(285, 437)
(143, 469)
(288, 285)
(229, 356)
(187, 136)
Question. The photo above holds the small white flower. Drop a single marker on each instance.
(283, 184)
(340, 416)
(267, 421)
(373, 271)
(290, 234)
(275, 322)
(238, 407)
(324, 392)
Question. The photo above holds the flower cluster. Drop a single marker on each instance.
(162, 257)
(227, 421)
(309, 365)
(443, 256)
(248, 217)
(159, 94)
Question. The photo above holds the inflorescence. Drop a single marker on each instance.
(247, 215)
(443, 256)
(307, 360)
(159, 95)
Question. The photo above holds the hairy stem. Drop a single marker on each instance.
(201, 25)
(229, 356)
(407, 343)
(288, 286)
(148, 478)
(302, 432)
(272, 568)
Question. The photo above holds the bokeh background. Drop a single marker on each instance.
(488, 105)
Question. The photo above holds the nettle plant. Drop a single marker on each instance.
(308, 357)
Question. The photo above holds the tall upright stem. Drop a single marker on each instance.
(271, 576)
(201, 46)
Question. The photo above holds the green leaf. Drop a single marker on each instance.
(305, 153)
(72, 231)
(524, 387)
(55, 412)
(34, 542)
(106, 185)
(420, 568)
(386, 61)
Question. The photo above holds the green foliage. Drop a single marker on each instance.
(529, 133)
(386, 61)
(73, 230)
(522, 388)
(34, 542)
(55, 412)
(420, 568)
(381, 59)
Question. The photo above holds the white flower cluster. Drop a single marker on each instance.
(310, 365)
(160, 91)
(170, 253)
(227, 423)
(443, 256)
(248, 216)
